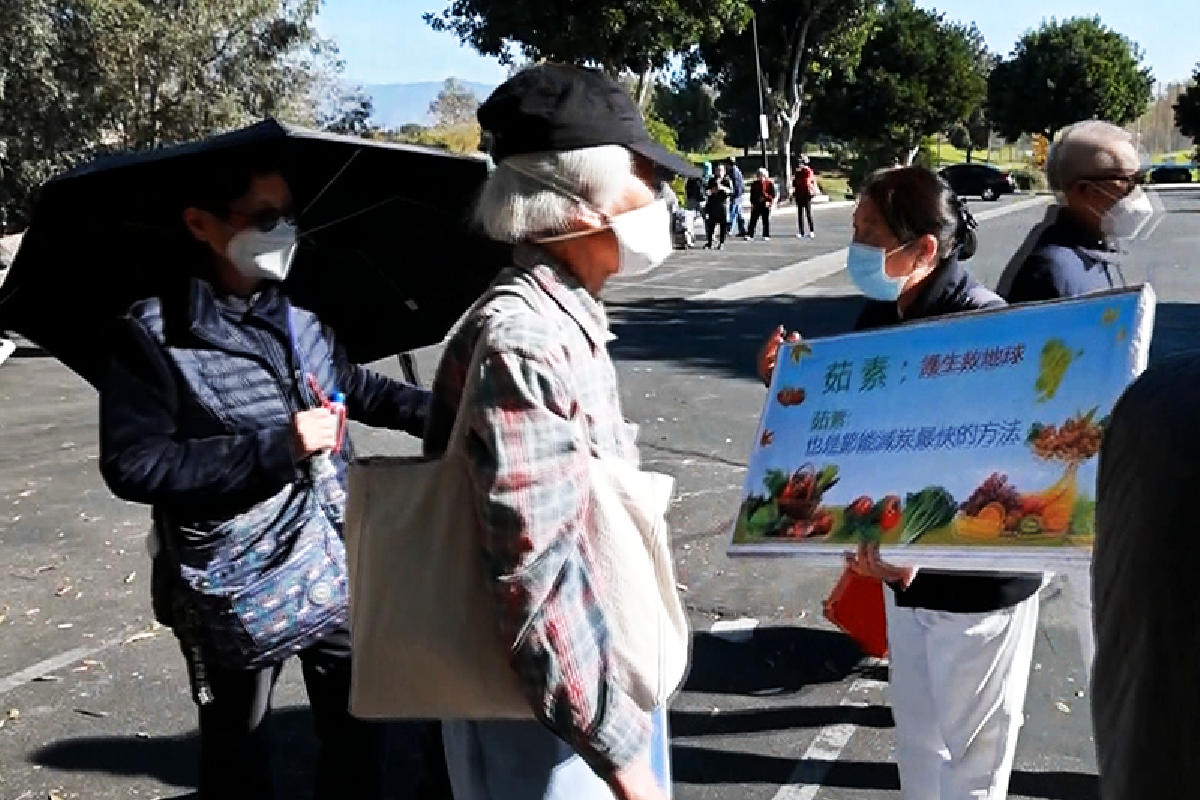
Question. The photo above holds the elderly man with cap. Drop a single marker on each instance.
(1095, 170)
(574, 190)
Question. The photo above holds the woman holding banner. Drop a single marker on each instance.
(960, 645)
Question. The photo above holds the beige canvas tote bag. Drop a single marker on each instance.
(424, 622)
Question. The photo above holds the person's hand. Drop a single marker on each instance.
(314, 430)
(770, 352)
(866, 562)
(636, 782)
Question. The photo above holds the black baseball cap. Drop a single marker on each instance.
(556, 107)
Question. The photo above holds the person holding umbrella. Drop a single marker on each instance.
(223, 409)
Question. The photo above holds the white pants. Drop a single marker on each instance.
(958, 686)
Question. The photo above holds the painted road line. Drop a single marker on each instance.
(7, 348)
(690, 269)
(808, 777)
(673, 292)
(738, 631)
(1153, 227)
(787, 280)
(54, 663)
(51, 664)
(784, 280)
(672, 276)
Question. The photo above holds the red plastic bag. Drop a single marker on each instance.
(856, 606)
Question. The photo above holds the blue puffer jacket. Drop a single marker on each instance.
(195, 413)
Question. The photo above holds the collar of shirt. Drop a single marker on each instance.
(943, 281)
(209, 314)
(566, 291)
(1067, 232)
(236, 303)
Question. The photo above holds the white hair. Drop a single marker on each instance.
(538, 194)
(1083, 150)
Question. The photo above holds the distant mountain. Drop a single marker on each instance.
(398, 104)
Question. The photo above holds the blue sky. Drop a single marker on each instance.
(385, 41)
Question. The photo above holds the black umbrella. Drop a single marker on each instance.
(386, 255)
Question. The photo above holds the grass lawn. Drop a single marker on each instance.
(1178, 157)
(836, 186)
(713, 157)
(1006, 158)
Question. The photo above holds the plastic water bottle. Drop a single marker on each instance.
(337, 405)
(325, 474)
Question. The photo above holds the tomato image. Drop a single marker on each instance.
(860, 508)
(890, 513)
(790, 397)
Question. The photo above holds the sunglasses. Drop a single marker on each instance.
(267, 219)
(1129, 182)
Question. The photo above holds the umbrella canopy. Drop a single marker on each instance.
(386, 256)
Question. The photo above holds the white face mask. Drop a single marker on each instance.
(1125, 219)
(644, 238)
(264, 255)
(643, 235)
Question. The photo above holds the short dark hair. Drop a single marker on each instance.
(916, 202)
(214, 182)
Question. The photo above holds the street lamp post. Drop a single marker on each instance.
(762, 114)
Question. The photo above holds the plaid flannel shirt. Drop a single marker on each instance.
(545, 368)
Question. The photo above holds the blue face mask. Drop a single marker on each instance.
(866, 267)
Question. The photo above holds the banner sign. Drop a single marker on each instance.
(968, 442)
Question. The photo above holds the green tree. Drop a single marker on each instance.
(689, 107)
(454, 125)
(409, 132)
(1066, 72)
(975, 132)
(49, 111)
(801, 43)
(1187, 111)
(352, 117)
(918, 76)
(616, 35)
(345, 110)
(82, 76)
(738, 107)
(972, 135)
(455, 105)
(662, 133)
(175, 71)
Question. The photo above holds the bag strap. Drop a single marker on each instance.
(458, 432)
(479, 352)
(299, 365)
